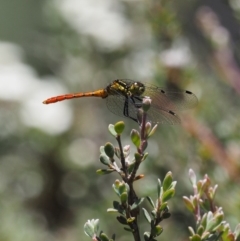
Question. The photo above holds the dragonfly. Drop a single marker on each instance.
(124, 97)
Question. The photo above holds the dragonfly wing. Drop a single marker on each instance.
(116, 104)
(122, 106)
(170, 99)
(163, 106)
(161, 116)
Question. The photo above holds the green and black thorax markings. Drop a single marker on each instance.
(130, 96)
(125, 88)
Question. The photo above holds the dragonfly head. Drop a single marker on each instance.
(137, 88)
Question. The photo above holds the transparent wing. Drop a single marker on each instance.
(161, 116)
(168, 99)
(116, 104)
(163, 106)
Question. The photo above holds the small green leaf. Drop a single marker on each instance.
(200, 230)
(188, 203)
(204, 220)
(213, 191)
(168, 195)
(122, 220)
(111, 129)
(166, 215)
(112, 210)
(191, 230)
(152, 131)
(124, 197)
(154, 213)
(101, 149)
(173, 185)
(104, 237)
(119, 127)
(138, 157)
(205, 235)
(145, 156)
(131, 166)
(209, 216)
(213, 224)
(167, 181)
(127, 187)
(200, 187)
(135, 137)
(130, 220)
(109, 150)
(195, 237)
(157, 230)
(116, 185)
(222, 227)
(146, 215)
(192, 177)
(195, 200)
(122, 188)
(150, 201)
(104, 160)
(205, 205)
(104, 171)
(148, 127)
(219, 223)
(116, 204)
(89, 228)
(96, 225)
(137, 203)
(163, 206)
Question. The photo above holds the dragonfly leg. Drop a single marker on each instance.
(137, 104)
(126, 110)
(137, 101)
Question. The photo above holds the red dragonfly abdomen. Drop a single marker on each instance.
(98, 93)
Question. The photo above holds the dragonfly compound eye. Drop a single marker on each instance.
(137, 89)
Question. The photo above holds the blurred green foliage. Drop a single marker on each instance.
(49, 186)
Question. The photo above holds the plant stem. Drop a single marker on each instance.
(132, 197)
(118, 137)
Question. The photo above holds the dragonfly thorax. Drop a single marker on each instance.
(126, 88)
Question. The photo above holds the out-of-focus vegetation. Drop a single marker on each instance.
(49, 154)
